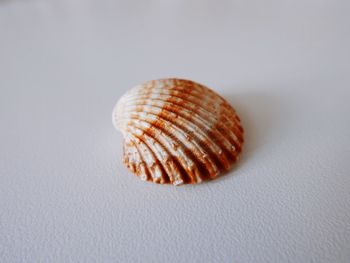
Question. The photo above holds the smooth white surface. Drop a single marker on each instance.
(65, 195)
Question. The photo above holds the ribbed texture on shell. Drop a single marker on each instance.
(177, 131)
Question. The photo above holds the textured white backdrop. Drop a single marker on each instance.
(65, 195)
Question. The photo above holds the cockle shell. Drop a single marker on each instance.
(177, 131)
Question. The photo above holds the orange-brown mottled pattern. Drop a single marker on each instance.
(181, 104)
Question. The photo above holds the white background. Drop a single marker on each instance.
(65, 195)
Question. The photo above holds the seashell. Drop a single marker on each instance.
(177, 131)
